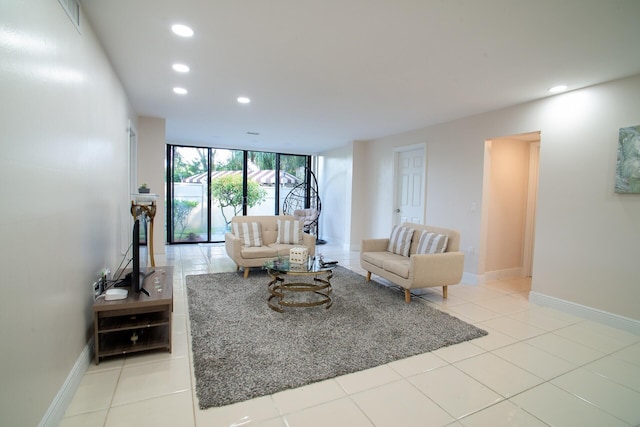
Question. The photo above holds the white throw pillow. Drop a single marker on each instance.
(289, 232)
(432, 243)
(400, 240)
(250, 233)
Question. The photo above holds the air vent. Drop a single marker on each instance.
(72, 7)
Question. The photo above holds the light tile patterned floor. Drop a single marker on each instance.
(537, 367)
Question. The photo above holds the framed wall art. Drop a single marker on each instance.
(628, 166)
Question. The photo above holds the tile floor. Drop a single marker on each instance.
(537, 367)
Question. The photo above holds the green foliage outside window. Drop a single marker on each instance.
(180, 214)
(227, 192)
(182, 169)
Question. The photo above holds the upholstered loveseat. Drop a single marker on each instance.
(415, 256)
(256, 239)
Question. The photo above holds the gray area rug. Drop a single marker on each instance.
(242, 349)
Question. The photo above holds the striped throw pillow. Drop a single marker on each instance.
(432, 243)
(250, 233)
(400, 240)
(289, 232)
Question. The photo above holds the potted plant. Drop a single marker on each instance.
(144, 189)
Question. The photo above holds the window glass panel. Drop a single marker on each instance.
(261, 180)
(292, 173)
(226, 190)
(189, 189)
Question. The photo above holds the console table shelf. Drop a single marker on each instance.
(120, 343)
(137, 323)
(125, 323)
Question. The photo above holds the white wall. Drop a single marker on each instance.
(454, 182)
(63, 168)
(334, 187)
(586, 242)
(151, 170)
(577, 203)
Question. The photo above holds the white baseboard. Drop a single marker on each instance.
(506, 273)
(481, 279)
(472, 279)
(333, 241)
(60, 403)
(589, 313)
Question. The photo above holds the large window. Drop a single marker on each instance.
(208, 186)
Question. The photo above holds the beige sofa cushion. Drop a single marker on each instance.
(268, 223)
(379, 258)
(453, 244)
(432, 243)
(400, 240)
(289, 232)
(255, 252)
(399, 267)
(250, 233)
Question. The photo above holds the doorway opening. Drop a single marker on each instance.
(509, 197)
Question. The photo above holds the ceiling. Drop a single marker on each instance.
(323, 73)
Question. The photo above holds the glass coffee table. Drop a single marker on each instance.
(285, 289)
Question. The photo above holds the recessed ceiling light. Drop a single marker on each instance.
(180, 90)
(182, 30)
(557, 89)
(181, 68)
(243, 100)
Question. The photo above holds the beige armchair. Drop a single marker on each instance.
(415, 270)
(256, 255)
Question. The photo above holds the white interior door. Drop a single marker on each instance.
(409, 189)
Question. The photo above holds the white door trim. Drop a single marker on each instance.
(484, 213)
(532, 200)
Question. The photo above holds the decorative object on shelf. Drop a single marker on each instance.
(144, 189)
(628, 165)
(298, 255)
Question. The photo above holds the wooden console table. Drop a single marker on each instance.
(137, 323)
